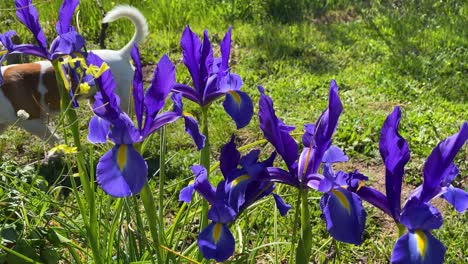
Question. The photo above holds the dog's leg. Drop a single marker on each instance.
(3, 127)
(38, 128)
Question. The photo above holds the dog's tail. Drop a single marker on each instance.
(138, 20)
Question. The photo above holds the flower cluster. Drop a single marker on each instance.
(417, 217)
(341, 208)
(67, 42)
(246, 180)
(122, 171)
(212, 77)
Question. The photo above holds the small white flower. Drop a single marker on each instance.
(22, 114)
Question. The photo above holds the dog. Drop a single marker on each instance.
(32, 87)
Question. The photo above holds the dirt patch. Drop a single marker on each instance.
(148, 72)
(337, 16)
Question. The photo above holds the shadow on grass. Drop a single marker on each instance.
(287, 43)
(424, 44)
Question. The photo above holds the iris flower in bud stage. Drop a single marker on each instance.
(341, 208)
(417, 218)
(245, 181)
(212, 77)
(122, 171)
(67, 42)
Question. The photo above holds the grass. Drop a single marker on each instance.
(382, 54)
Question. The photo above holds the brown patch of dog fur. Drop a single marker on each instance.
(52, 97)
(21, 88)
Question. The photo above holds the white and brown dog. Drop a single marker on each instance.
(32, 87)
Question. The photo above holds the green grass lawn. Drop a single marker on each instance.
(409, 53)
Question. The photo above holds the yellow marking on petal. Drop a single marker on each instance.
(217, 232)
(3, 52)
(187, 114)
(84, 88)
(306, 162)
(343, 200)
(96, 71)
(122, 156)
(236, 97)
(360, 185)
(421, 241)
(239, 179)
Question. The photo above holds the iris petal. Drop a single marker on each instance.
(308, 136)
(374, 197)
(186, 193)
(417, 215)
(28, 15)
(229, 158)
(191, 127)
(98, 130)
(202, 185)
(137, 89)
(187, 92)
(419, 247)
(216, 242)
(324, 128)
(229, 82)
(122, 171)
(161, 85)
(191, 46)
(107, 102)
(282, 206)
(275, 131)
(280, 175)
(395, 154)
(439, 163)
(65, 15)
(334, 154)
(343, 209)
(225, 50)
(239, 106)
(456, 197)
(66, 43)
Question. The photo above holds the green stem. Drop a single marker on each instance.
(113, 229)
(149, 204)
(205, 162)
(306, 229)
(88, 186)
(294, 231)
(401, 230)
(176, 223)
(17, 254)
(162, 178)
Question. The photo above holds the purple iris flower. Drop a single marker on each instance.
(122, 171)
(246, 180)
(67, 42)
(341, 208)
(212, 77)
(417, 217)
